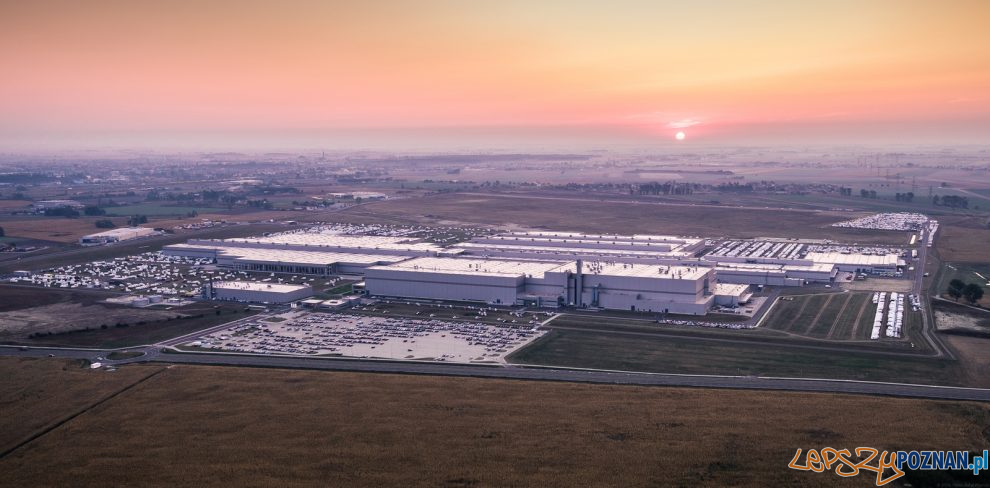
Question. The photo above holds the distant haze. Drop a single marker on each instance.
(468, 74)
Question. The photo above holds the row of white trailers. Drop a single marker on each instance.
(895, 314)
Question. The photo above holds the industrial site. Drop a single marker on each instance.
(454, 244)
(666, 279)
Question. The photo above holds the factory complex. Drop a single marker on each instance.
(653, 273)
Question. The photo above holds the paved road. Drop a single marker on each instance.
(527, 373)
(924, 296)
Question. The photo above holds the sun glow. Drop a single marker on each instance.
(679, 136)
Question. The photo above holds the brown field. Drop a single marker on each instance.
(75, 317)
(12, 205)
(56, 229)
(64, 317)
(217, 426)
(588, 215)
(964, 240)
(37, 393)
(974, 356)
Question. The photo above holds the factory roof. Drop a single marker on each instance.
(853, 258)
(522, 247)
(642, 270)
(598, 237)
(289, 256)
(123, 232)
(259, 286)
(487, 267)
(306, 257)
(730, 289)
(821, 267)
(340, 241)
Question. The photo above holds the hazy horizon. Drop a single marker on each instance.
(458, 76)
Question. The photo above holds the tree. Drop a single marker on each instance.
(92, 210)
(105, 224)
(137, 220)
(972, 292)
(2, 232)
(956, 289)
(68, 212)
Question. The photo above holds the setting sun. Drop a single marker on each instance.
(679, 136)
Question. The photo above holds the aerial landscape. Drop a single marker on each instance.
(436, 243)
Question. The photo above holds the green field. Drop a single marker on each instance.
(967, 273)
(825, 316)
(698, 355)
(833, 317)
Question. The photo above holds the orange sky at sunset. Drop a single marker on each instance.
(365, 73)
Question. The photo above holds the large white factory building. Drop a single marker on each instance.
(545, 269)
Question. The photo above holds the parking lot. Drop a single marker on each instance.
(154, 273)
(337, 334)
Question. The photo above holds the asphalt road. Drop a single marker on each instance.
(524, 373)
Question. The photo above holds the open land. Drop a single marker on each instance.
(591, 215)
(342, 429)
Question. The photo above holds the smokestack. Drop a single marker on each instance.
(579, 283)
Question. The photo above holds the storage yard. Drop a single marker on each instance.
(887, 221)
(852, 316)
(153, 274)
(299, 332)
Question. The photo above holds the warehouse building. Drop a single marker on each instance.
(318, 263)
(251, 291)
(473, 280)
(116, 235)
(859, 262)
(548, 269)
(563, 245)
(304, 241)
(674, 289)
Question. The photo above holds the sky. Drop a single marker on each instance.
(451, 74)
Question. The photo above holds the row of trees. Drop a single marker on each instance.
(951, 201)
(972, 292)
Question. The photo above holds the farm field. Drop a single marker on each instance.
(700, 355)
(55, 229)
(964, 240)
(37, 393)
(150, 210)
(437, 431)
(588, 215)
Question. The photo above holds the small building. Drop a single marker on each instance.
(732, 295)
(259, 292)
